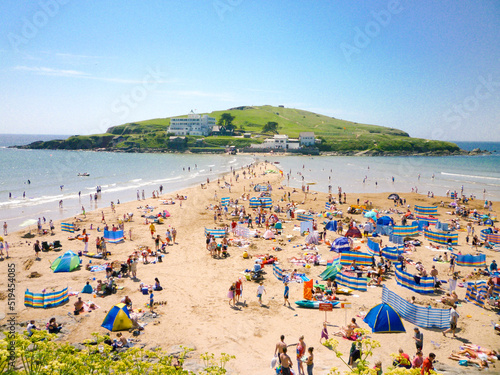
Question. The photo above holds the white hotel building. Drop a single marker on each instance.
(194, 124)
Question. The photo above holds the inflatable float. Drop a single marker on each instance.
(313, 304)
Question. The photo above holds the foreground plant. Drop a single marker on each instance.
(41, 355)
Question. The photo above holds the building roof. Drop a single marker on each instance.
(306, 134)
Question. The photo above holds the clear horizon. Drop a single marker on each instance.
(430, 69)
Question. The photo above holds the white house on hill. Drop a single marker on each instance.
(194, 124)
(307, 139)
(279, 142)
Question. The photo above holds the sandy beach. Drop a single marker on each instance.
(195, 285)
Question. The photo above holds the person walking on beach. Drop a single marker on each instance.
(453, 321)
(231, 294)
(152, 229)
(37, 249)
(286, 294)
(4, 228)
(260, 291)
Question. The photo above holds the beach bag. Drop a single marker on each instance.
(273, 361)
(463, 362)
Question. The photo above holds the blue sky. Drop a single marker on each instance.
(429, 68)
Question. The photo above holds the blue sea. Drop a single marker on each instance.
(120, 175)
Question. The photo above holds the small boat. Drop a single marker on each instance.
(85, 174)
(313, 304)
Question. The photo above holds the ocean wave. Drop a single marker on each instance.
(470, 176)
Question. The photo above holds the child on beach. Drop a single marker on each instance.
(260, 290)
(286, 294)
(151, 300)
(324, 333)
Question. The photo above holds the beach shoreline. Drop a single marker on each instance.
(195, 285)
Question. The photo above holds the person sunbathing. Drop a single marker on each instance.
(475, 348)
(482, 363)
(348, 331)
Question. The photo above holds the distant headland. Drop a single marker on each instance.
(254, 129)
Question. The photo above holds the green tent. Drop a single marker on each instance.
(66, 262)
(330, 272)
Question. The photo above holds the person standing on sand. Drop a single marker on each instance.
(453, 321)
(310, 361)
(151, 300)
(260, 290)
(286, 362)
(301, 350)
(279, 347)
(231, 294)
(286, 295)
(324, 333)
(239, 289)
(37, 249)
(152, 229)
(4, 228)
(174, 235)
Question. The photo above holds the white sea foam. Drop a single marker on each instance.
(470, 176)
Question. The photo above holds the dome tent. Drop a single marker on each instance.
(353, 232)
(67, 262)
(341, 244)
(385, 220)
(331, 225)
(118, 319)
(384, 319)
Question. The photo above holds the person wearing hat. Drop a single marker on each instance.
(493, 266)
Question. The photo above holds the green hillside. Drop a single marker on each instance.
(336, 135)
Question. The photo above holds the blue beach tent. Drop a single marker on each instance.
(341, 244)
(385, 220)
(384, 319)
(331, 225)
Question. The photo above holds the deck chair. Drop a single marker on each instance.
(57, 244)
(45, 246)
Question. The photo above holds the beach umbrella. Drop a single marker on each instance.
(28, 223)
(371, 215)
